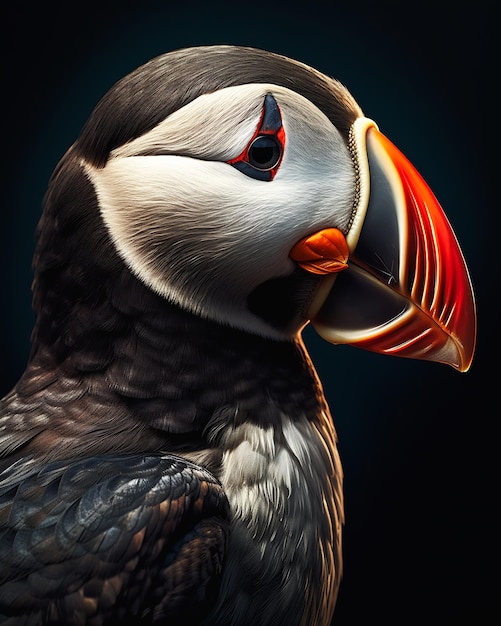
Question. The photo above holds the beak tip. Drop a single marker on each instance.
(466, 356)
(455, 356)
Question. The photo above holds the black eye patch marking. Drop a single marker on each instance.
(263, 154)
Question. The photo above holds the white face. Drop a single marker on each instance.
(202, 233)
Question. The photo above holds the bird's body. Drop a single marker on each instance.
(255, 417)
(168, 454)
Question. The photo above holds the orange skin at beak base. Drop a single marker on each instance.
(324, 252)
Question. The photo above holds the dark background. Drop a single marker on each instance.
(417, 439)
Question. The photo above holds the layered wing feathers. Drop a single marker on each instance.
(149, 531)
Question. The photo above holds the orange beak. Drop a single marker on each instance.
(406, 291)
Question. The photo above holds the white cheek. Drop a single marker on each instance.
(198, 232)
(317, 167)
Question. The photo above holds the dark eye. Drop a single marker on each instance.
(263, 155)
(264, 152)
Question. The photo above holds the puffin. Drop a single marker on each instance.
(168, 455)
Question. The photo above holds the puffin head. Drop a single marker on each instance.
(249, 189)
